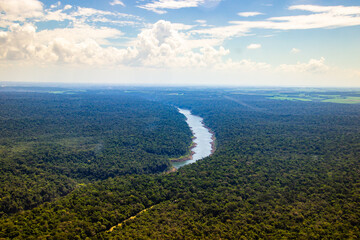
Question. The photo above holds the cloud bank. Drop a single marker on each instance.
(89, 36)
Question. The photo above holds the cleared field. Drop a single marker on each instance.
(290, 98)
(346, 100)
(351, 98)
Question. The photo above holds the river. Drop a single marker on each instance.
(203, 138)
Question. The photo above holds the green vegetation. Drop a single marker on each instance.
(346, 100)
(187, 155)
(290, 98)
(282, 170)
(338, 97)
(51, 143)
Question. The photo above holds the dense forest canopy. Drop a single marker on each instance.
(51, 143)
(283, 168)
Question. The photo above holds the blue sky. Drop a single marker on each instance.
(182, 42)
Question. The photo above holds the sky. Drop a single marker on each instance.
(307, 43)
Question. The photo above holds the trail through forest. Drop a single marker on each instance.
(130, 218)
(245, 104)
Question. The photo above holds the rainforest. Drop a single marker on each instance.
(97, 163)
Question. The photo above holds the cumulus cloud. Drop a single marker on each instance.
(161, 45)
(18, 42)
(67, 7)
(72, 45)
(19, 10)
(249, 14)
(313, 66)
(254, 46)
(117, 2)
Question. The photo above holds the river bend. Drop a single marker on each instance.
(203, 138)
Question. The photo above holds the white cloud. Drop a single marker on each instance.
(117, 2)
(80, 44)
(56, 5)
(80, 32)
(201, 22)
(254, 46)
(88, 15)
(249, 14)
(86, 12)
(313, 66)
(198, 43)
(323, 17)
(18, 42)
(67, 7)
(181, 26)
(162, 45)
(295, 50)
(115, 22)
(339, 10)
(160, 6)
(57, 15)
(159, 50)
(222, 33)
(210, 3)
(319, 17)
(19, 10)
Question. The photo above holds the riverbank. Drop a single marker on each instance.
(213, 142)
(203, 143)
(188, 156)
